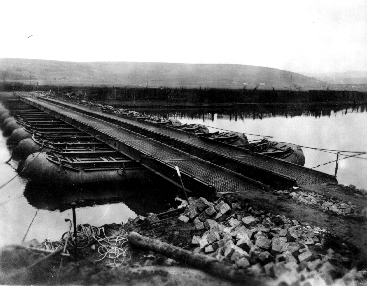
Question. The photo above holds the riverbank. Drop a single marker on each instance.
(267, 242)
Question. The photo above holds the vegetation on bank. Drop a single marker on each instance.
(195, 96)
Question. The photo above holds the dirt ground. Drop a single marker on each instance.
(21, 265)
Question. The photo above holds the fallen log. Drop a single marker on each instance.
(203, 262)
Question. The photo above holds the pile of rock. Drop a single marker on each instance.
(260, 242)
(324, 203)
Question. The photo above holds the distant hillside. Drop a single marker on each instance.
(152, 74)
(349, 77)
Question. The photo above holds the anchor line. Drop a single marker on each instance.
(328, 150)
(351, 156)
(3, 185)
(30, 226)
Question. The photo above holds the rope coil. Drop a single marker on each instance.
(112, 249)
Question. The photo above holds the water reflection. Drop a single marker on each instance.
(140, 197)
(255, 111)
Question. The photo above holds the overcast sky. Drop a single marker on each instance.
(306, 36)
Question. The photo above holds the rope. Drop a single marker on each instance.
(7, 162)
(327, 150)
(29, 226)
(3, 185)
(113, 248)
(338, 160)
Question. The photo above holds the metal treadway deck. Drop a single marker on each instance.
(159, 158)
(257, 166)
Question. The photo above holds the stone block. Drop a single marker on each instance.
(218, 254)
(195, 240)
(305, 256)
(228, 249)
(243, 232)
(183, 218)
(312, 265)
(256, 269)
(263, 242)
(265, 257)
(192, 211)
(242, 263)
(227, 253)
(196, 220)
(203, 242)
(291, 265)
(292, 235)
(278, 245)
(228, 243)
(283, 232)
(192, 200)
(202, 204)
(226, 236)
(263, 229)
(203, 216)
(255, 252)
(212, 225)
(227, 230)
(217, 244)
(218, 205)
(224, 208)
(235, 256)
(210, 211)
(285, 256)
(244, 243)
(199, 226)
(212, 236)
(209, 249)
(249, 221)
(308, 241)
(293, 247)
(218, 216)
(234, 222)
(197, 250)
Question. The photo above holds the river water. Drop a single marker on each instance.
(20, 202)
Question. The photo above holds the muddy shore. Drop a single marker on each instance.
(277, 240)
